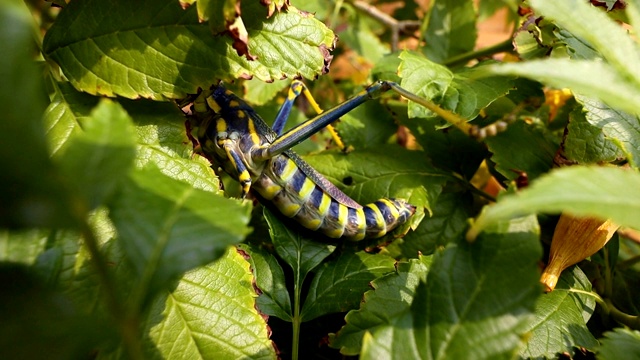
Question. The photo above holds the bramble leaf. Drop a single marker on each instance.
(619, 344)
(210, 314)
(338, 285)
(273, 299)
(157, 50)
(560, 319)
(468, 308)
(166, 226)
(32, 193)
(368, 174)
(604, 192)
(450, 29)
(392, 294)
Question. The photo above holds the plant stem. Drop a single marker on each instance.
(608, 306)
(490, 50)
(296, 320)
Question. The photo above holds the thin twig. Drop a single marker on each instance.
(396, 26)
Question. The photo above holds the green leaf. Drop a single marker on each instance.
(31, 194)
(560, 319)
(585, 142)
(359, 37)
(475, 303)
(368, 125)
(209, 315)
(617, 126)
(22, 246)
(162, 141)
(620, 344)
(274, 298)
(167, 227)
(392, 294)
(66, 115)
(611, 40)
(448, 222)
(425, 79)
(38, 322)
(257, 92)
(451, 29)
(587, 77)
(522, 147)
(469, 94)
(338, 285)
(156, 50)
(161, 134)
(449, 148)
(97, 159)
(369, 174)
(604, 192)
(389, 342)
(465, 92)
(302, 254)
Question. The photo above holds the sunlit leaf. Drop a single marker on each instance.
(210, 314)
(604, 192)
(158, 50)
(167, 227)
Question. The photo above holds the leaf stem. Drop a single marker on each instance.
(462, 59)
(609, 308)
(622, 317)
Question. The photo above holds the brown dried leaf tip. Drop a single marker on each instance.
(575, 239)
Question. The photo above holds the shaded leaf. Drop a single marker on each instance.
(366, 175)
(338, 285)
(102, 155)
(369, 125)
(167, 227)
(585, 142)
(448, 223)
(37, 320)
(450, 29)
(620, 344)
(210, 314)
(604, 192)
(156, 50)
(392, 294)
(618, 127)
(587, 77)
(31, 194)
(273, 299)
(560, 319)
(301, 253)
(522, 148)
(467, 308)
(448, 148)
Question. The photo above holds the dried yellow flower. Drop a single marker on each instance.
(574, 240)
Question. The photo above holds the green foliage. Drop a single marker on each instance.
(119, 241)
